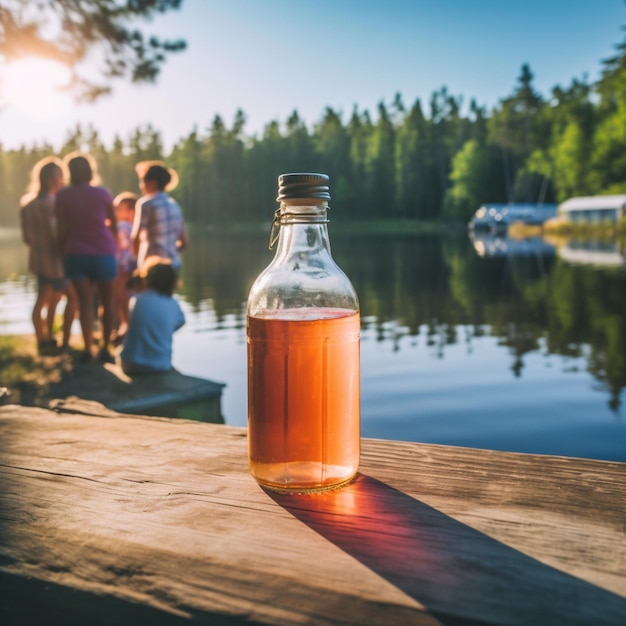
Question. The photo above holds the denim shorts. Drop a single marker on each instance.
(57, 284)
(99, 268)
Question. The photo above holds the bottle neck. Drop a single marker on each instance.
(301, 225)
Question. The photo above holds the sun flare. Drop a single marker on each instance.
(33, 86)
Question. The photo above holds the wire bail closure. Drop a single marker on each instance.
(293, 218)
(275, 232)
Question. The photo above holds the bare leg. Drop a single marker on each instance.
(122, 297)
(84, 292)
(71, 305)
(106, 291)
(40, 302)
(51, 307)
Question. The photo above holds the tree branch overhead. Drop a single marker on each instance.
(68, 30)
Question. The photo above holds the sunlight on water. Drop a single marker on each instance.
(16, 303)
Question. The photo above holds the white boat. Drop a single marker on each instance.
(497, 217)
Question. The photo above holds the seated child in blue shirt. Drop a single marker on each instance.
(154, 317)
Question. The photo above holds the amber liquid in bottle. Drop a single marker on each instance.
(303, 398)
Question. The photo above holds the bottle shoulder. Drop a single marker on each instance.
(284, 286)
(303, 273)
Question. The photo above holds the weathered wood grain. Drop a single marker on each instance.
(128, 520)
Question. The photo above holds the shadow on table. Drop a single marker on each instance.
(459, 574)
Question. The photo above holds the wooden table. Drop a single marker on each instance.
(116, 519)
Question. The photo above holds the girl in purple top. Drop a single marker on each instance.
(88, 241)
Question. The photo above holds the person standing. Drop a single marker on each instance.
(124, 205)
(159, 227)
(88, 242)
(39, 231)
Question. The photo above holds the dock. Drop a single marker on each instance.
(166, 394)
(124, 519)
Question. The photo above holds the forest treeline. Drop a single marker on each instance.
(425, 162)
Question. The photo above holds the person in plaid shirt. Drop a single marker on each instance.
(159, 227)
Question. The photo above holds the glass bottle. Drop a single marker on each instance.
(303, 328)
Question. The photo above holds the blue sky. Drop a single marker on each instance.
(269, 57)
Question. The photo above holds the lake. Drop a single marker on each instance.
(516, 345)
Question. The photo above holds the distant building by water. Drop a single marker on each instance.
(594, 208)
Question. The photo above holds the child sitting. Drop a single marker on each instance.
(154, 317)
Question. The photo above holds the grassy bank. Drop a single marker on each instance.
(18, 357)
(26, 374)
(561, 227)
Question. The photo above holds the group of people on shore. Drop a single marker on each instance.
(97, 250)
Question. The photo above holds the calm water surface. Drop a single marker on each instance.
(490, 343)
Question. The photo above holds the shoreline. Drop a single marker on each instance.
(34, 378)
(51, 379)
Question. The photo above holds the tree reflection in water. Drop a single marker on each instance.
(528, 297)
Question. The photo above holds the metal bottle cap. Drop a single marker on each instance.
(303, 185)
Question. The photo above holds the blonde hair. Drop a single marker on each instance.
(41, 177)
(125, 196)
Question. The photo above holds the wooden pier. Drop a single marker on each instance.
(167, 394)
(111, 519)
